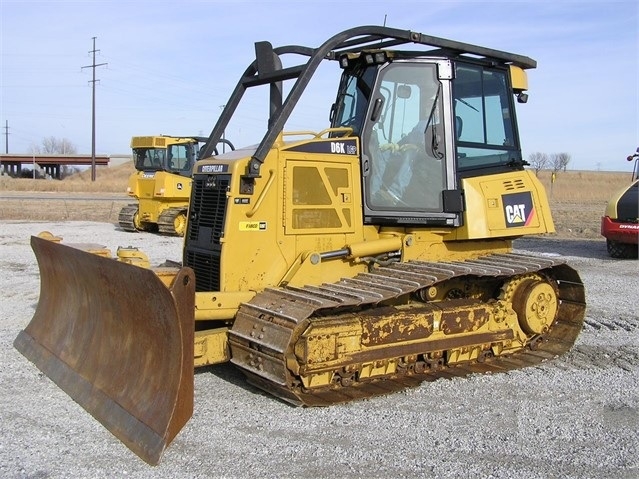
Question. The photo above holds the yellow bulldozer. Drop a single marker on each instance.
(331, 265)
(161, 184)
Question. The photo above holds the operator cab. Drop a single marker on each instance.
(177, 158)
(404, 107)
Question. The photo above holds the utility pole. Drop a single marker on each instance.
(6, 142)
(6, 136)
(93, 66)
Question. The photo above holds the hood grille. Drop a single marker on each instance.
(207, 211)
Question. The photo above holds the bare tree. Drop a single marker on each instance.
(538, 161)
(60, 146)
(34, 149)
(53, 146)
(559, 161)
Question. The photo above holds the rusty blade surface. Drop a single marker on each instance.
(116, 340)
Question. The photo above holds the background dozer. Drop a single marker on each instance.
(328, 266)
(620, 222)
(161, 184)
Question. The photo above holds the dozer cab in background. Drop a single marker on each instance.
(161, 184)
(333, 265)
(620, 222)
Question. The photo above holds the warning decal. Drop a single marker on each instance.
(252, 225)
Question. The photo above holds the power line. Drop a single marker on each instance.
(93, 66)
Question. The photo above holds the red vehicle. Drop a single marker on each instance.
(620, 223)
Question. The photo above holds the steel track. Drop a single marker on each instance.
(267, 327)
(126, 216)
(166, 221)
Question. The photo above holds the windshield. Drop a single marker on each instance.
(352, 98)
(149, 159)
(175, 158)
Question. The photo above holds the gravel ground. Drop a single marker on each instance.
(576, 416)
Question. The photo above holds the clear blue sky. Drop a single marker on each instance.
(171, 65)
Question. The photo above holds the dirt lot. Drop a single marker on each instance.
(576, 416)
(62, 206)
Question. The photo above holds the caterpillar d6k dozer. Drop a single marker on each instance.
(328, 266)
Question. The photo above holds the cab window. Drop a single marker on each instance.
(484, 118)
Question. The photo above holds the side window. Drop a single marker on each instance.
(484, 120)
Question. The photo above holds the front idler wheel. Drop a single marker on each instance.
(536, 303)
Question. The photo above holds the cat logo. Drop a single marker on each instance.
(516, 213)
(518, 209)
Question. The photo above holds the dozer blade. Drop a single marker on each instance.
(117, 341)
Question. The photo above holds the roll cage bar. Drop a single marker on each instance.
(267, 69)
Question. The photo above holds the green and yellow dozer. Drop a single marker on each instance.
(161, 184)
(330, 265)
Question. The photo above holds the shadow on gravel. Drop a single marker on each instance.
(227, 372)
(231, 374)
(582, 248)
